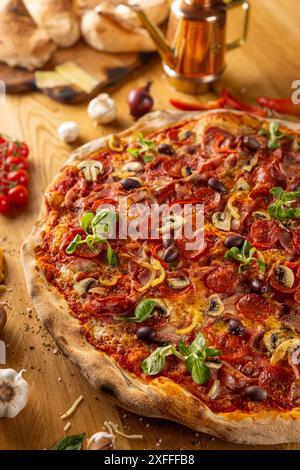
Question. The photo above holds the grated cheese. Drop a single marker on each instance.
(113, 429)
(73, 408)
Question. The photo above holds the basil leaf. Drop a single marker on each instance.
(104, 222)
(73, 245)
(200, 372)
(86, 220)
(212, 352)
(144, 309)
(147, 158)
(198, 344)
(190, 361)
(112, 257)
(183, 348)
(153, 364)
(277, 192)
(70, 443)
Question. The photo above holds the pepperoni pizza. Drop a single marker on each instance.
(208, 337)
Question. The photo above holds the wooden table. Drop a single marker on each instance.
(268, 64)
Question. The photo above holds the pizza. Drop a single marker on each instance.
(206, 336)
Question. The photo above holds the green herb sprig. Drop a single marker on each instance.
(280, 209)
(245, 256)
(195, 357)
(97, 228)
(144, 148)
(142, 311)
(274, 134)
(74, 442)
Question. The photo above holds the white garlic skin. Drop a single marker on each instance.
(9, 378)
(99, 440)
(102, 109)
(68, 132)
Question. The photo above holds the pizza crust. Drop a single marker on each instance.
(160, 397)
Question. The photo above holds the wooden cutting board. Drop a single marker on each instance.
(108, 68)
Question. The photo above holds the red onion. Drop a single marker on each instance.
(140, 101)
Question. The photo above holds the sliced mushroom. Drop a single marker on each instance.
(178, 283)
(285, 276)
(215, 306)
(250, 164)
(222, 220)
(91, 169)
(214, 390)
(287, 347)
(242, 185)
(274, 338)
(85, 285)
(132, 167)
(261, 215)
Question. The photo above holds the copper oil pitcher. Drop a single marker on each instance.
(193, 52)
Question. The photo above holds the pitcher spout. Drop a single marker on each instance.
(158, 38)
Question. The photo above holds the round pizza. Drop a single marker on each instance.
(198, 326)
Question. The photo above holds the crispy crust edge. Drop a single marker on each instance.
(158, 398)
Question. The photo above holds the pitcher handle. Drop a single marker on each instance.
(242, 39)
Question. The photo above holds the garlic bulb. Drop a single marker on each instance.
(13, 393)
(102, 109)
(99, 440)
(68, 132)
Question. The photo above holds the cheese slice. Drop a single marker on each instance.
(77, 76)
(50, 79)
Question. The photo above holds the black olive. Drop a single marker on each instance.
(217, 185)
(171, 254)
(257, 286)
(191, 149)
(251, 143)
(130, 183)
(235, 327)
(255, 393)
(147, 334)
(295, 187)
(167, 240)
(234, 240)
(166, 149)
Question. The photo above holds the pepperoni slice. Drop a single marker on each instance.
(279, 382)
(209, 197)
(223, 280)
(262, 197)
(232, 346)
(270, 175)
(255, 307)
(264, 234)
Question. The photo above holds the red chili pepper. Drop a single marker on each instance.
(234, 103)
(285, 106)
(199, 106)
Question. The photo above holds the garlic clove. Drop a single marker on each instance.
(99, 441)
(13, 393)
(68, 132)
(102, 109)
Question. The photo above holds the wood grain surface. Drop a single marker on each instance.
(267, 65)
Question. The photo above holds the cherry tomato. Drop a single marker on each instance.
(19, 177)
(4, 204)
(17, 163)
(23, 150)
(2, 139)
(18, 195)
